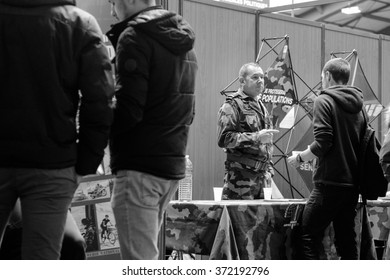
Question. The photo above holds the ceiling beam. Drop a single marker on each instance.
(383, 2)
(354, 28)
(326, 15)
(368, 14)
(299, 5)
(377, 9)
(385, 31)
(322, 12)
(355, 18)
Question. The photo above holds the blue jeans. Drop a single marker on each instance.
(138, 202)
(45, 196)
(328, 204)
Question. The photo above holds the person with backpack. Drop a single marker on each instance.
(339, 125)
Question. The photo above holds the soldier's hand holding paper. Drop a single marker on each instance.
(266, 135)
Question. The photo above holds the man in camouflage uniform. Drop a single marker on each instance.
(244, 133)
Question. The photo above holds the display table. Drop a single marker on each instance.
(379, 216)
(253, 229)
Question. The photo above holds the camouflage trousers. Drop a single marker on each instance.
(241, 183)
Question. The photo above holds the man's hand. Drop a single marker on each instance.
(265, 136)
(293, 160)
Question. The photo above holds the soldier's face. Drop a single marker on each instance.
(253, 83)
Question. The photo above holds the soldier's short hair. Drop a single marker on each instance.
(244, 69)
(339, 68)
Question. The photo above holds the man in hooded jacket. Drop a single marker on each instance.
(53, 68)
(155, 82)
(338, 128)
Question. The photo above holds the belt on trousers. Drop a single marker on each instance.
(256, 164)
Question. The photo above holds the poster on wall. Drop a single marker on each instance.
(86, 222)
(93, 190)
(279, 95)
(91, 209)
(306, 168)
(108, 235)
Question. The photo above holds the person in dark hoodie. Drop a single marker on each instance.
(155, 83)
(338, 125)
(53, 67)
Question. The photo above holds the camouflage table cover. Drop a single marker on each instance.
(379, 217)
(255, 229)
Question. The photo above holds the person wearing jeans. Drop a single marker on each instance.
(155, 83)
(139, 201)
(329, 203)
(55, 114)
(338, 126)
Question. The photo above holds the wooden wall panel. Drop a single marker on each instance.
(225, 39)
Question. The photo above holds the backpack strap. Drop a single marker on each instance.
(374, 186)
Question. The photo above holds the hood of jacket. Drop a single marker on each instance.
(31, 3)
(167, 28)
(349, 98)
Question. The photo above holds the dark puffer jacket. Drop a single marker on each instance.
(156, 68)
(49, 51)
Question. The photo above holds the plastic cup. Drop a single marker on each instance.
(267, 193)
(217, 194)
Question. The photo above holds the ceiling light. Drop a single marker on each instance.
(351, 10)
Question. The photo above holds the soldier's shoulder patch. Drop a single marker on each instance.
(231, 100)
(227, 108)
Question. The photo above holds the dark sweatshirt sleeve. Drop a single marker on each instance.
(322, 126)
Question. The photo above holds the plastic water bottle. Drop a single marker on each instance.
(185, 185)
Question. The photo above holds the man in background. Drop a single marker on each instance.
(244, 133)
(53, 65)
(338, 124)
(155, 82)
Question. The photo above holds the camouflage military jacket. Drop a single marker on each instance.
(239, 118)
